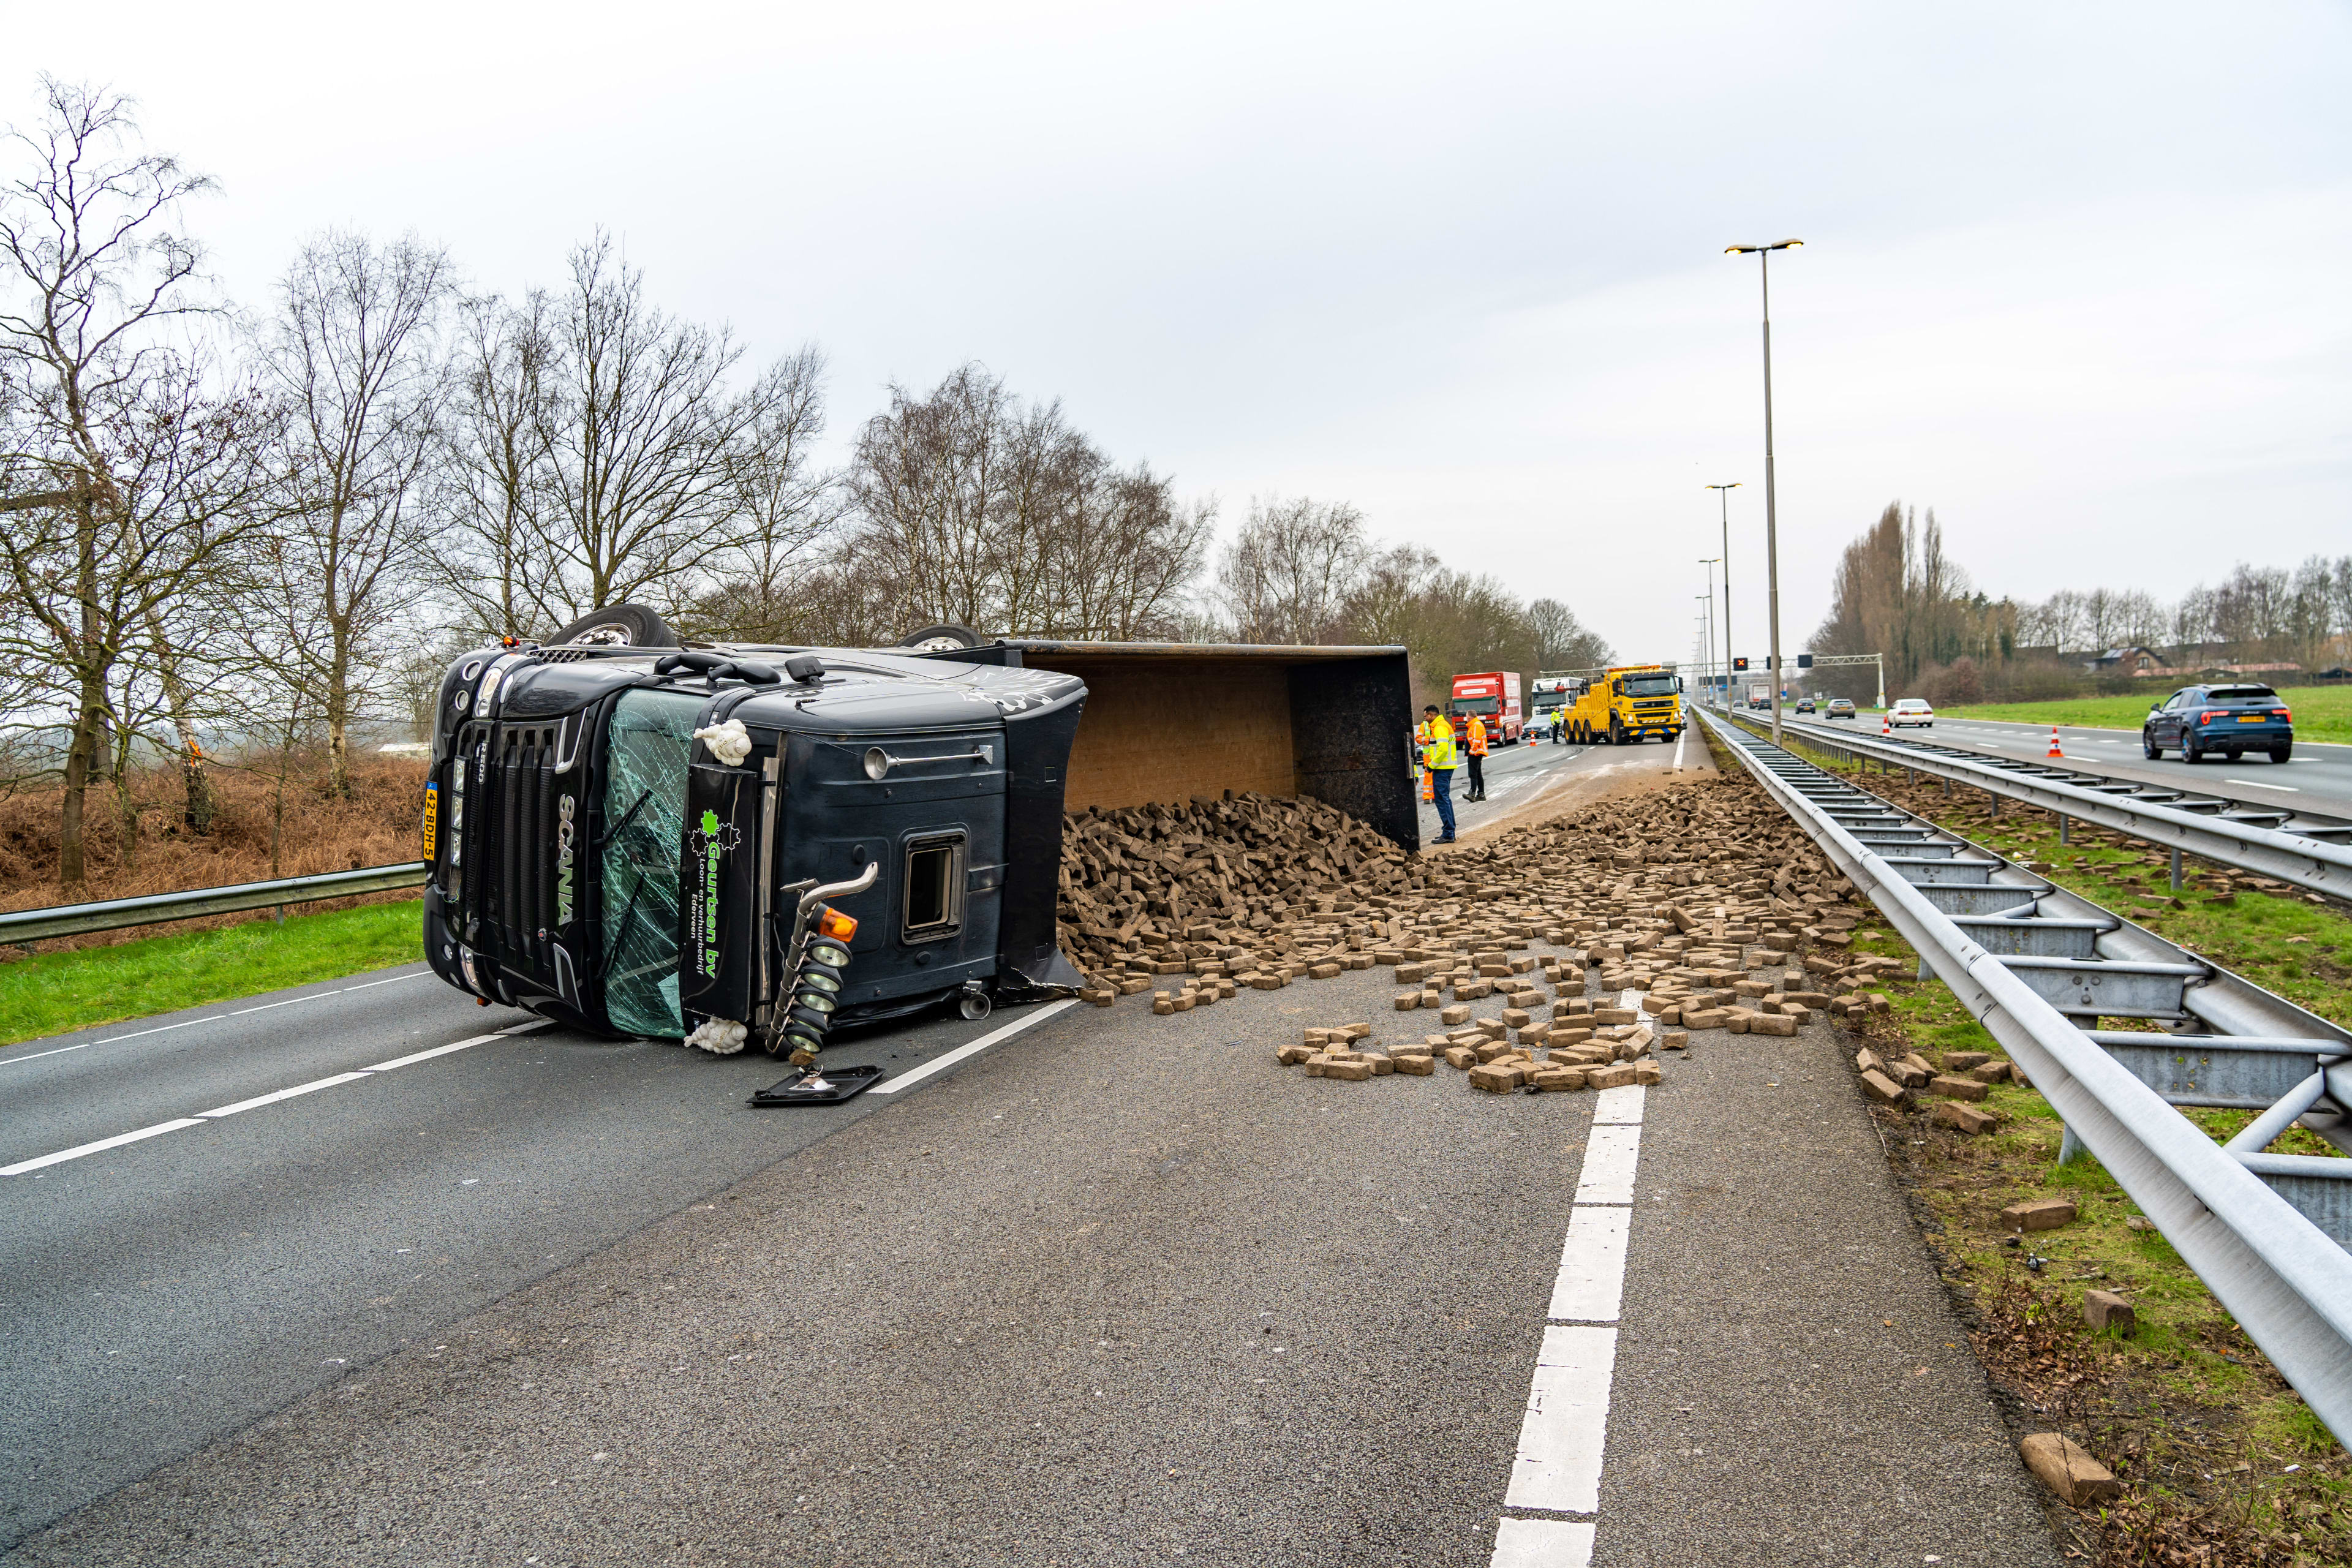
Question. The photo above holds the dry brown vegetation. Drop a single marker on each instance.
(375, 826)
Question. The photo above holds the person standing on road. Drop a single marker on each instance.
(1557, 715)
(1436, 738)
(1477, 790)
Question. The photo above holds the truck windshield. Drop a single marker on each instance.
(1475, 705)
(1649, 686)
(645, 815)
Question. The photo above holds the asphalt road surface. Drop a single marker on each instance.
(157, 1295)
(1114, 1289)
(2317, 779)
(1523, 777)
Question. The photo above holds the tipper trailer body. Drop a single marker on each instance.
(628, 837)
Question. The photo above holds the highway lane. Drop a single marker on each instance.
(1125, 1292)
(1524, 776)
(157, 1295)
(2318, 778)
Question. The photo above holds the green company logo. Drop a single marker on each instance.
(712, 839)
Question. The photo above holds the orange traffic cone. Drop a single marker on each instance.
(2053, 742)
(1886, 724)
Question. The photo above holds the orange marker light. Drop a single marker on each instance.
(836, 925)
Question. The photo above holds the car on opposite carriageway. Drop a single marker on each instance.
(2231, 719)
(1911, 711)
(1840, 708)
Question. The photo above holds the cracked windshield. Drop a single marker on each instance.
(644, 807)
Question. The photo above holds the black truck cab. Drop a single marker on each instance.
(618, 837)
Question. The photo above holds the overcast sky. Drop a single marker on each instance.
(2075, 276)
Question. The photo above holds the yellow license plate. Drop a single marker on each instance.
(431, 816)
(2251, 718)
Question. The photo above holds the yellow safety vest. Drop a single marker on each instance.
(1478, 736)
(1437, 744)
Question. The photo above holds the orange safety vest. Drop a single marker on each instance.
(1477, 737)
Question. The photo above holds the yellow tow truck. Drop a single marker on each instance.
(1629, 702)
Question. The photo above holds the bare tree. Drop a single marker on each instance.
(639, 499)
(356, 355)
(785, 508)
(95, 273)
(489, 504)
(1289, 573)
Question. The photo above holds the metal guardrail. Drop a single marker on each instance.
(114, 914)
(2312, 854)
(2266, 1232)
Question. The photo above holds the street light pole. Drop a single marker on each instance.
(1710, 562)
(1772, 520)
(1723, 494)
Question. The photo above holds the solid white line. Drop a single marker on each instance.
(62, 1050)
(1592, 1279)
(2260, 784)
(1619, 1107)
(207, 1018)
(1608, 1163)
(261, 1099)
(1679, 739)
(908, 1080)
(1543, 1544)
(1566, 1425)
(116, 1141)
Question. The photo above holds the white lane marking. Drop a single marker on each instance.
(1609, 1161)
(1679, 738)
(300, 1088)
(208, 1019)
(313, 1087)
(116, 1141)
(2258, 784)
(1621, 1106)
(909, 1079)
(435, 1051)
(1543, 1544)
(1566, 1424)
(1592, 1279)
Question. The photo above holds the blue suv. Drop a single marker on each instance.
(2231, 719)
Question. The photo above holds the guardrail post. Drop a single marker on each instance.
(2175, 870)
(2070, 1148)
(1996, 801)
(2065, 822)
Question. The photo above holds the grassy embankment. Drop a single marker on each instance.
(52, 993)
(2321, 712)
(2222, 1460)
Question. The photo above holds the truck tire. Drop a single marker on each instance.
(618, 625)
(945, 637)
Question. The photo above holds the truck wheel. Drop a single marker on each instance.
(617, 626)
(945, 637)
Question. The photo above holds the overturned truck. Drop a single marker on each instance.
(748, 845)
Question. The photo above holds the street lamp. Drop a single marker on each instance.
(1710, 562)
(1763, 253)
(1723, 494)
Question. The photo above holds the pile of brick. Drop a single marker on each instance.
(1957, 1083)
(1700, 906)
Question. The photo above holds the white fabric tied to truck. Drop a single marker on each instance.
(730, 743)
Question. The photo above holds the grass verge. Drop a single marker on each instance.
(53, 992)
(2321, 712)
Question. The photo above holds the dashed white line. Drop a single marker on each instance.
(218, 1112)
(116, 1141)
(938, 1064)
(2259, 784)
(1557, 1466)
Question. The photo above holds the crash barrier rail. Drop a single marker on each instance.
(2039, 968)
(114, 914)
(2312, 853)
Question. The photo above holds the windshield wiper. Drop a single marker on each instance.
(613, 833)
(621, 928)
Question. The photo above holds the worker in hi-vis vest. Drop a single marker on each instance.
(1436, 737)
(1478, 738)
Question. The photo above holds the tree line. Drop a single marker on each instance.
(226, 533)
(1897, 592)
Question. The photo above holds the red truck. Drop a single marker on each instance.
(1494, 697)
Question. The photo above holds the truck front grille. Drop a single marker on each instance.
(512, 827)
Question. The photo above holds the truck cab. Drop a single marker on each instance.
(618, 837)
(1629, 704)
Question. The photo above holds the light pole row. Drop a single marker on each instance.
(1763, 253)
